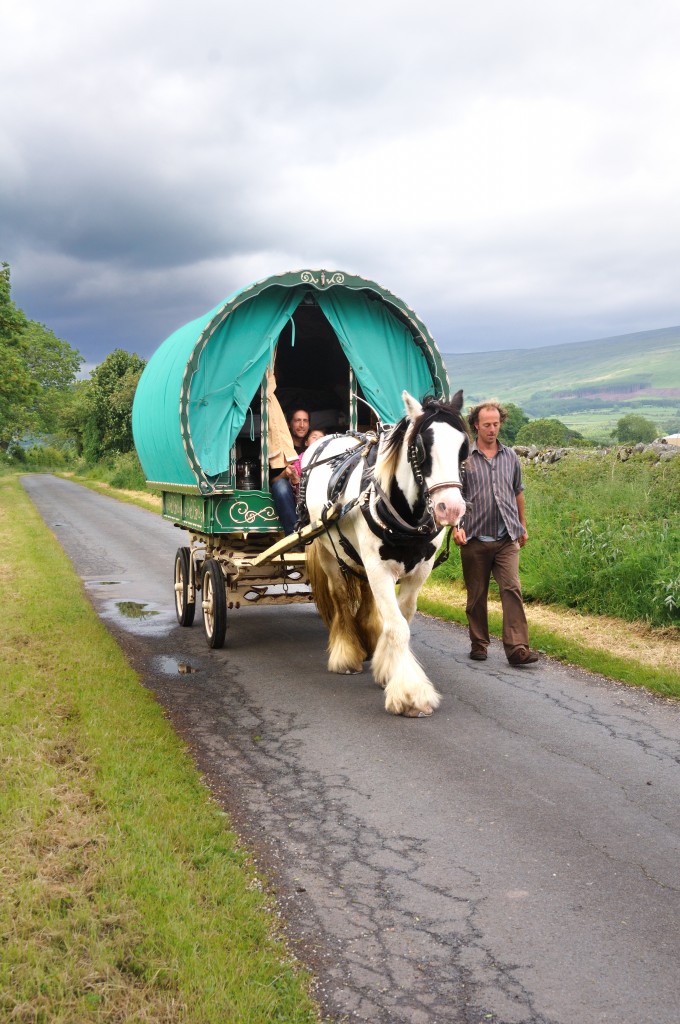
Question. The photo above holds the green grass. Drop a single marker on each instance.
(598, 426)
(125, 896)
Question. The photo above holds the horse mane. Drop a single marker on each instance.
(433, 409)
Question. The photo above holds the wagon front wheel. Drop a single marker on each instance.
(184, 607)
(214, 603)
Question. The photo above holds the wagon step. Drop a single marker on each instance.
(293, 540)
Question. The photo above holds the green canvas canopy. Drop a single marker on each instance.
(196, 391)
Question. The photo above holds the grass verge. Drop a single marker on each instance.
(125, 896)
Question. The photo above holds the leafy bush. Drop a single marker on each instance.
(545, 433)
(121, 471)
(41, 457)
(513, 424)
(632, 429)
(127, 473)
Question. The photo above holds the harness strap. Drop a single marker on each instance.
(443, 556)
(445, 483)
(345, 544)
(425, 528)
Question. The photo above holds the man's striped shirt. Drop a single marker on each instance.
(490, 487)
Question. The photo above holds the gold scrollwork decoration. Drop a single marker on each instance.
(307, 277)
(240, 513)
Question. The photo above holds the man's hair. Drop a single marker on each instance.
(298, 408)
(491, 403)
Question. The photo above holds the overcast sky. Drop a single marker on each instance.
(509, 168)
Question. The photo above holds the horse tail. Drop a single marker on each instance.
(369, 619)
(346, 588)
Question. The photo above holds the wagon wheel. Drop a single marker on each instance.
(185, 608)
(214, 603)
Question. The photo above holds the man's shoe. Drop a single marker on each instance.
(477, 654)
(523, 656)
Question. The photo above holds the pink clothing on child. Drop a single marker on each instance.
(297, 465)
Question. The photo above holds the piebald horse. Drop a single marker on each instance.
(386, 500)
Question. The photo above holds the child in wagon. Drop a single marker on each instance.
(312, 436)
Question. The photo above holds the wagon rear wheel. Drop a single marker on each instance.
(214, 603)
(185, 608)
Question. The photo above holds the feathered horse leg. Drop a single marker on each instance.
(410, 587)
(408, 691)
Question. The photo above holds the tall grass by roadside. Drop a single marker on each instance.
(125, 896)
(122, 471)
(604, 537)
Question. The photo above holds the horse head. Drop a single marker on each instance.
(436, 441)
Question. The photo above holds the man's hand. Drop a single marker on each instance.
(459, 537)
(524, 538)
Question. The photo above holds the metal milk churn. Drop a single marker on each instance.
(246, 475)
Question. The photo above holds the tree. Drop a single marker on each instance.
(16, 387)
(52, 365)
(633, 428)
(37, 370)
(111, 389)
(545, 433)
(73, 413)
(515, 421)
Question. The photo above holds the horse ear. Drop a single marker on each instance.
(457, 401)
(413, 406)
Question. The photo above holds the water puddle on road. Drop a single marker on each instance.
(171, 666)
(134, 610)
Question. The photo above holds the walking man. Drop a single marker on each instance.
(491, 534)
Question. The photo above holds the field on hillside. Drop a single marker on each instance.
(588, 385)
(598, 425)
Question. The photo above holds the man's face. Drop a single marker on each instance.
(488, 424)
(299, 424)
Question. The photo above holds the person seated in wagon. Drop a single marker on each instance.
(286, 444)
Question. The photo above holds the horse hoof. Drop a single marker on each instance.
(416, 713)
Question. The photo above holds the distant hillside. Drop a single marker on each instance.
(589, 385)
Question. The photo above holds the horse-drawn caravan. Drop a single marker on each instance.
(375, 492)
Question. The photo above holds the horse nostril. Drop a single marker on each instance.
(441, 507)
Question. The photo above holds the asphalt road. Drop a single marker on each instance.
(515, 858)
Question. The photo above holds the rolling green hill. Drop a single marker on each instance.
(588, 385)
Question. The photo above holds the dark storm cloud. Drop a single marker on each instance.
(497, 167)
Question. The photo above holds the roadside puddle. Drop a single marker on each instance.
(171, 666)
(134, 610)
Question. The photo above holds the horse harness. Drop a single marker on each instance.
(380, 515)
